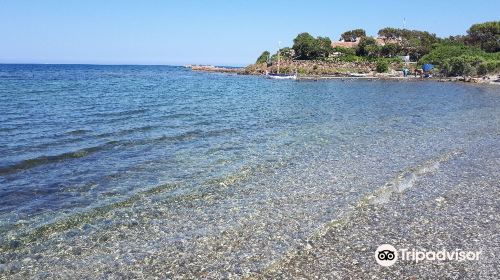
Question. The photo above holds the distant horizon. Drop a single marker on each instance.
(118, 64)
(194, 32)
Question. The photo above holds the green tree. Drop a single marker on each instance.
(485, 35)
(455, 40)
(287, 53)
(413, 42)
(353, 35)
(263, 58)
(323, 47)
(390, 50)
(390, 33)
(306, 46)
(421, 43)
(366, 46)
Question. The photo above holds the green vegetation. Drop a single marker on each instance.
(391, 50)
(367, 47)
(353, 35)
(344, 51)
(285, 54)
(414, 43)
(477, 53)
(263, 58)
(485, 35)
(457, 59)
(382, 66)
(308, 48)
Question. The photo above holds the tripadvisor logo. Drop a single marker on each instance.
(387, 255)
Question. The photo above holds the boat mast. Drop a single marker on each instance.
(279, 47)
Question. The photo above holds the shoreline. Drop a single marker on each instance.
(351, 76)
(400, 78)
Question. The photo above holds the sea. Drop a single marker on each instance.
(130, 171)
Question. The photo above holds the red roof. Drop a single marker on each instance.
(345, 44)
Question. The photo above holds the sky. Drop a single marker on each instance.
(206, 32)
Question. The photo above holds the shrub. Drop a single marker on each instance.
(382, 66)
(457, 59)
(462, 65)
(446, 51)
(285, 69)
(469, 70)
(492, 66)
(372, 50)
(482, 69)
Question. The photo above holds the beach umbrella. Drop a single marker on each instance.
(427, 67)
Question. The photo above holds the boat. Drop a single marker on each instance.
(278, 75)
(357, 75)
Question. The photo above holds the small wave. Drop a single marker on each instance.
(178, 116)
(30, 163)
(49, 144)
(189, 135)
(7, 129)
(127, 131)
(42, 160)
(108, 120)
(121, 113)
(7, 76)
(53, 139)
(408, 178)
(215, 133)
(78, 132)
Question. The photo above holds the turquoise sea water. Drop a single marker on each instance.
(152, 168)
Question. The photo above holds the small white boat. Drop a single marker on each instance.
(357, 75)
(278, 76)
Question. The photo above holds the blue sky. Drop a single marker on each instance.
(209, 32)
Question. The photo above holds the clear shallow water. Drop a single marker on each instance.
(117, 165)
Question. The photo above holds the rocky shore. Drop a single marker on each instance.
(314, 68)
(321, 70)
(211, 68)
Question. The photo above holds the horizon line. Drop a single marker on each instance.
(116, 64)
